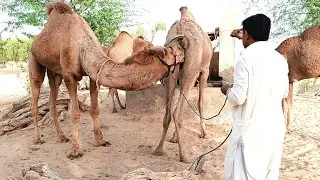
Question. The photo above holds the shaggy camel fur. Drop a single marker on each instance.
(188, 35)
(123, 47)
(68, 49)
(303, 55)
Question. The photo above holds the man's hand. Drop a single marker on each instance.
(225, 88)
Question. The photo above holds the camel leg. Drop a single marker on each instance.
(167, 117)
(94, 112)
(118, 99)
(71, 84)
(114, 109)
(54, 82)
(289, 105)
(202, 84)
(36, 77)
(186, 86)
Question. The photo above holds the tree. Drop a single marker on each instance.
(159, 26)
(105, 17)
(289, 17)
(139, 31)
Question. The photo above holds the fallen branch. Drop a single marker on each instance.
(19, 114)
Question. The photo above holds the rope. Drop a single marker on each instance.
(99, 72)
(197, 161)
(224, 104)
(100, 69)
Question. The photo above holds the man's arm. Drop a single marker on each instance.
(237, 95)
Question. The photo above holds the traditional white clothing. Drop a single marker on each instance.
(260, 83)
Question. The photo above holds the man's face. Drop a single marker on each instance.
(245, 38)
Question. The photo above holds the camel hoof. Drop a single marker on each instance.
(102, 143)
(122, 107)
(158, 152)
(288, 132)
(185, 160)
(74, 153)
(174, 139)
(63, 139)
(204, 136)
(38, 141)
(114, 111)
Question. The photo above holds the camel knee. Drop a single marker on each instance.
(94, 112)
(34, 110)
(75, 116)
(37, 79)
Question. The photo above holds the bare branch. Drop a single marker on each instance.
(40, 2)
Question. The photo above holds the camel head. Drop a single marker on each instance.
(216, 32)
(168, 56)
(237, 33)
(60, 7)
(185, 13)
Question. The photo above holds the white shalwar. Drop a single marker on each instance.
(260, 83)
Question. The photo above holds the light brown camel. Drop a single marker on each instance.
(68, 49)
(303, 55)
(123, 47)
(189, 36)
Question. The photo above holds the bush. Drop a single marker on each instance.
(306, 85)
(14, 50)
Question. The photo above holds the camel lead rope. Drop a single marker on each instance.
(99, 72)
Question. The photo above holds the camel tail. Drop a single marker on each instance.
(60, 7)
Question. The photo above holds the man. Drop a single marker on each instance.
(260, 83)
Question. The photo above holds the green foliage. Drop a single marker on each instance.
(14, 50)
(313, 17)
(139, 31)
(289, 17)
(159, 26)
(104, 16)
(307, 85)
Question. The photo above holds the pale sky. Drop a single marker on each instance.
(207, 13)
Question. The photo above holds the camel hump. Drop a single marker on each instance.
(60, 7)
(185, 13)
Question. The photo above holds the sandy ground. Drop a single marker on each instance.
(133, 137)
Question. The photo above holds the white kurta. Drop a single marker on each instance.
(260, 83)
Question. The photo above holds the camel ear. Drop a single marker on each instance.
(159, 51)
(166, 54)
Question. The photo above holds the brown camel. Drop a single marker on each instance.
(123, 47)
(303, 55)
(189, 36)
(68, 49)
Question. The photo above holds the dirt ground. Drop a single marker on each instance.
(134, 137)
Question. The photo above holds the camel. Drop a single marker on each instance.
(123, 46)
(303, 57)
(68, 49)
(197, 48)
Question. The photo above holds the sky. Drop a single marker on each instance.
(209, 14)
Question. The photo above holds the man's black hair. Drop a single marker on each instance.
(258, 27)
